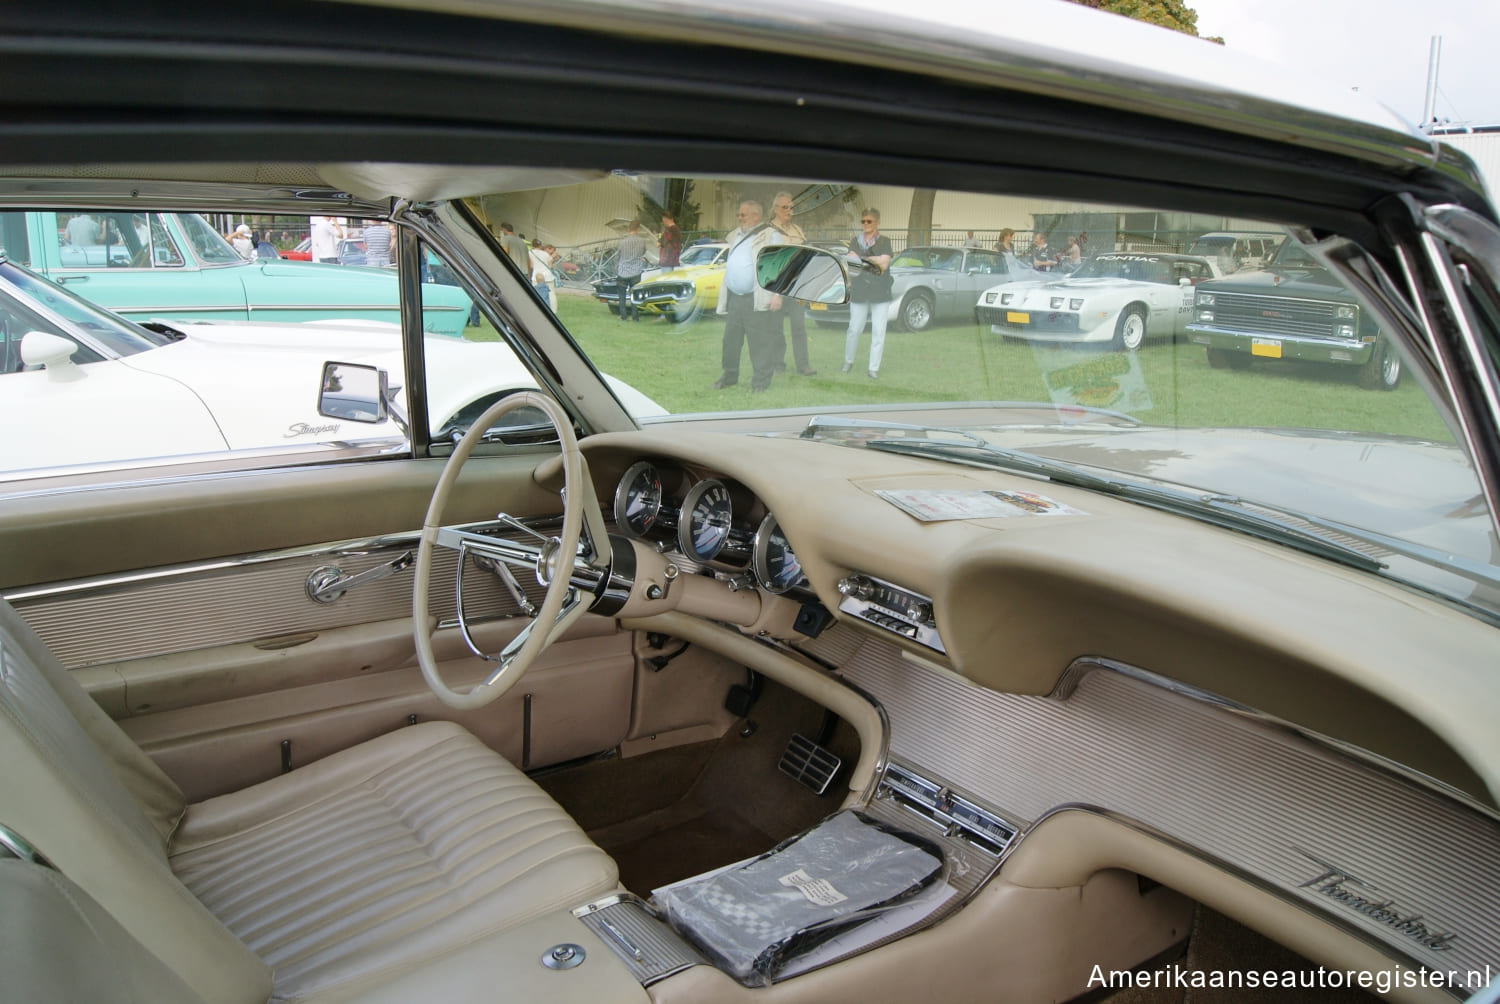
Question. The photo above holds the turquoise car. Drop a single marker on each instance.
(176, 265)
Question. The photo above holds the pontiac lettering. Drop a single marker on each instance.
(1363, 898)
(305, 429)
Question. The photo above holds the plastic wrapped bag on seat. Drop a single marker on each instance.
(754, 918)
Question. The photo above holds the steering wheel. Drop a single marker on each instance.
(555, 560)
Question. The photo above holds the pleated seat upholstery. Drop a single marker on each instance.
(380, 862)
(378, 857)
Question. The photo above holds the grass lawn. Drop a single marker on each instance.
(676, 364)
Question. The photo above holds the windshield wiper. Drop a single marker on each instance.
(1220, 510)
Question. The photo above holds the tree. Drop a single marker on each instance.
(1174, 14)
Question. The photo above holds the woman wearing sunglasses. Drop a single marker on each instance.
(869, 257)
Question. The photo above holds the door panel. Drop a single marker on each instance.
(574, 702)
(183, 608)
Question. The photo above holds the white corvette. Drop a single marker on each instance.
(1121, 297)
(82, 386)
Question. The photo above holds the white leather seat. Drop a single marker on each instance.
(336, 876)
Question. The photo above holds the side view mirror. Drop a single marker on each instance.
(52, 353)
(803, 273)
(354, 392)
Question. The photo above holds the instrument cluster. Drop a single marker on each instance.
(707, 520)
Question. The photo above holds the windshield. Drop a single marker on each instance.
(702, 254)
(1276, 394)
(45, 306)
(208, 246)
(943, 258)
(1294, 256)
(1141, 267)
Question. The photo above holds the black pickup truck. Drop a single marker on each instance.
(1293, 308)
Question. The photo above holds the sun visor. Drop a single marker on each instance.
(438, 182)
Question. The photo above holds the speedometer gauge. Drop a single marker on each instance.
(638, 499)
(776, 567)
(706, 515)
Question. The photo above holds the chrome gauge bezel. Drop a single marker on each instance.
(760, 557)
(622, 498)
(687, 522)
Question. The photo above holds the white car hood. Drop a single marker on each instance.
(261, 381)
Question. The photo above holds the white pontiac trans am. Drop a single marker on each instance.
(199, 387)
(1121, 297)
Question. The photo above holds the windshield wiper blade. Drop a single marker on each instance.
(1220, 510)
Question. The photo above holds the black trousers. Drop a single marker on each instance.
(796, 323)
(757, 330)
(626, 304)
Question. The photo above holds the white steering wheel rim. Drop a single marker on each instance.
(577, 492)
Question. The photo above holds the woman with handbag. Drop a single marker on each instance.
(870, 282)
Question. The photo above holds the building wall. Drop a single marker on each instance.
(1484, 147)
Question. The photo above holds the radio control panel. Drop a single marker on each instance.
(892, 608)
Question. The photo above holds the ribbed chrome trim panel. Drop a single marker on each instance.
(650, 949)
(247, 599)
(1267, 801)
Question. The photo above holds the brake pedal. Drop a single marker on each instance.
(809, 764)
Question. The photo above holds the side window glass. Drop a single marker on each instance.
(80, 240)
(469, 365)
(164, 250)
(15, 242)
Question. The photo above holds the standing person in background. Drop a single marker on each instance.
(543, 279)
(973, 242)
(242, 242)
(1083, 244)
(515, 248)
(869, 290)
(1042, 258)
(83, 231)
(325, 233)
(748, 310)
(1007, 242)
(671, 242)
(377, 243)
(793, 310)
(1070, 258)
(630, 262)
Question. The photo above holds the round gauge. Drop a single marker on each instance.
(776, 567)
(638, 499)
(704, 526)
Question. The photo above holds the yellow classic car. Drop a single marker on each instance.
(680, 294)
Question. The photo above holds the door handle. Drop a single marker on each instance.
(61, 279)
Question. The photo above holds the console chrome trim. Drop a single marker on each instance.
(640, 939)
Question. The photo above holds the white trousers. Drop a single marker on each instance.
(878, 313)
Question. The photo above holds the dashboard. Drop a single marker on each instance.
(1115, 662)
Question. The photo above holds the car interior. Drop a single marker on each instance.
(583, 715)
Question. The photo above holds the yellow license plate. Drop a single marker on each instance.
(1265, 347)
(1011, 317)
(818, 306)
